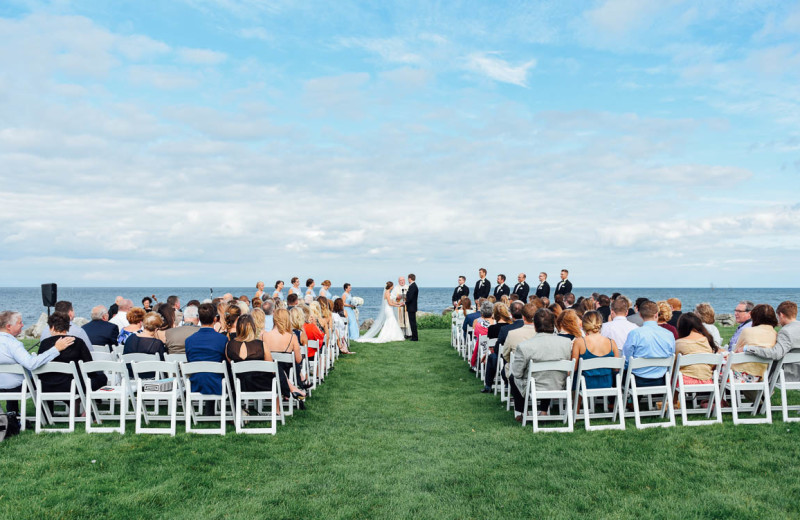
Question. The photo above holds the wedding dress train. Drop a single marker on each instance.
(385, 328)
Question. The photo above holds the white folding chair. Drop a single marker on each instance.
(314, 365)
(509, 397)
(195, 416)
(101, 348)
(453, 328)
(243, 397)
(139, 356)
(175, 358)
(306, 363)
(70, 397)
(729, 384)
(164, 370)
(25, 392)
(663, 390)
(563, 397)
(287, 357)
(118, 349)
(115, 371)
(470, 343)
(499, 384)
(588, 396)
(711, 388)
(779, 381)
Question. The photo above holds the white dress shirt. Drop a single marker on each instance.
(617, 330)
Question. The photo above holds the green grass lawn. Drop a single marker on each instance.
(401, 431)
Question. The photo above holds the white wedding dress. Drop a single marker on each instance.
(385, 328)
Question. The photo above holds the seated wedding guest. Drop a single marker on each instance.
(291, 301)
(618, 326)
(227, 297)
(559, 299)
(12, 352)
(297, 320)
(113, 309)
(705, 312)
(556, 309)
(604, 307)
(543, 346)
(259, 290)
(59, 324)
(147, 341)
(322, 314)
(545, 302)
(569, 300)
(664, 316)
(99, 330)
(516, 313)
(469, 319)
(246, 346)
(760, 334)
(195, 303)
(282, 339)
(518, 335)
(269, 308)
(636, 317)
(258, 318)
(464, 307)
(74, 330)
(309, 295)
(313, 333)
(167, 314)
(693, 338)
(339, 324)
(586, 305)
(231, 316)
(325, 291)
(175, 338)
(568, 324)
(245, 300)
(594, 345)
(502, 317)
(649, 341)
(134, 317)
(206, 345)
(676, 306)
(121, 318)
(480, 329)
(505, 300)
(147, 304)
(491, 299)
(257, 303)
(788, 340)
(278, 292)
(742, 316)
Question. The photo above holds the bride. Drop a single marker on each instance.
(385, 328)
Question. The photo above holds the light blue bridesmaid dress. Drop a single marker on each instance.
(351, 318)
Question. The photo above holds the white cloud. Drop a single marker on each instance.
(255, 33)
(201, 56)
(488, 64)
(392, 50)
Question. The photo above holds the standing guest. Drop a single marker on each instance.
(269, 308)
(522, 288)
(278, 292)
(99, 330)
(147, 341)
(568, 325)
(501, 317)
(352, 321)
(246, 346)
(134, 317)
(74, 330)
(742, 316)
(147, 304)
(12, 352)
(649, 341)
(295, 288)
(114, 308)
(480, 328)
(206, 345)
(760, 334)
(501, 289)
(675, 306)
(259, 290)
(564, 286)
(705, 312)
(460, 291)
(326, 289)
(482, 286)
(664, 316)
(788, 340)
(543, 289)
(618, 327)
(121, 318)
(636, 317)
(543, 346)
(594, 345)
(176, 337)
(604, 307)
(310, 295)
(693, 338)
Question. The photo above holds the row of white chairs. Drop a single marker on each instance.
(695, 399)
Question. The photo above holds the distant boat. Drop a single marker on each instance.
(712, 287)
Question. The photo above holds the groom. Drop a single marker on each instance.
(411, 306)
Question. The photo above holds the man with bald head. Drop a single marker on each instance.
(121, 319)
(99, 330)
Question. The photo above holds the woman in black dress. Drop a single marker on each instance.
(246, 346)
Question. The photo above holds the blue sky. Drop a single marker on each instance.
(196, 142)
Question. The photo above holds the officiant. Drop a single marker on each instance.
(398, 294)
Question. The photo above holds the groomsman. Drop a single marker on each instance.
(522, 288)
(461, 291)
(501, 289)
(564, 286)
(482, 286)
(543, 290)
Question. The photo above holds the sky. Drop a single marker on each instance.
(637, 143)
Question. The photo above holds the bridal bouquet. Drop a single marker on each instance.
(356, 301)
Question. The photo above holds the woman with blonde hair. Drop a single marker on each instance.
(247, 346)
(705, 312)
(146, 341)
(310, 327)
(260, 320)
(591, 346)
(569, 325)
(501, 316)
(281, 339)
(297, 320)
(259, 290)
(664, 315)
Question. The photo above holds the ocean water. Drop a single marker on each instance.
(28, 300)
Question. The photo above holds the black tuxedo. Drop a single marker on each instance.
(411, 308)
(543, 290)
(563, 287)
(460, 292)
(522, 290)
(501, 290)
(101, 332)
(482, 289)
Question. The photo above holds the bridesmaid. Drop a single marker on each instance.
(278, 290)
(295, 288)
(259, 290)
(351, 314)
(326, 289)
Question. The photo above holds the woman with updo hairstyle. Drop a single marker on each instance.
(569, 325)
(501, 316)
(134, 317)
(325, 290)
(259, 290)
(146, 341)
(693, 338)
(664, 315)
(705, 312)
(232, 313)
(593, 345)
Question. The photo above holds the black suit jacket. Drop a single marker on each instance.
(411, 297)
(102, 332)
(460, 292)
(501, 290)
(482, 291)
(564, 287)
(522, 290)
(544, 291)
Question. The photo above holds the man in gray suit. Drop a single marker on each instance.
(543, 346)
(176, 337)
(788, 339)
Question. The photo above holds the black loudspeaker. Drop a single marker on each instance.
(49, 294)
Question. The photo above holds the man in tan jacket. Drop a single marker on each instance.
(517, 336)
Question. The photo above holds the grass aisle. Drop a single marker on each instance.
(401, 431)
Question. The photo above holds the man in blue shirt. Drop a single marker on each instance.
(649, 341)
(742, 317)
(206, 345)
